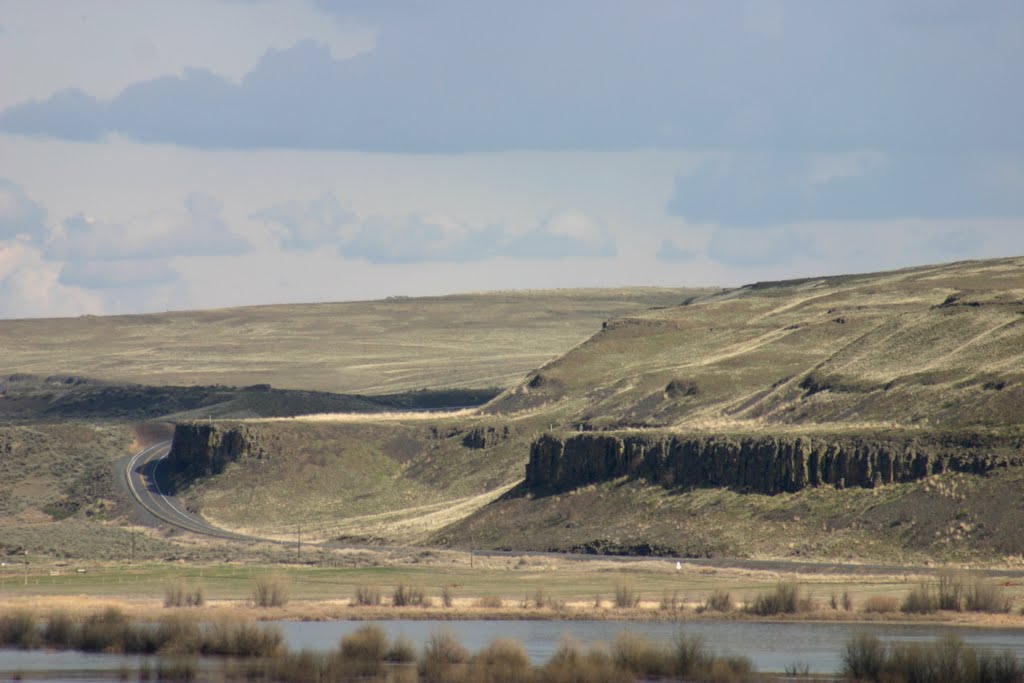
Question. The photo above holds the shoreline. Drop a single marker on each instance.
(335, 610)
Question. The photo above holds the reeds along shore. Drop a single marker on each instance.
(258, 653)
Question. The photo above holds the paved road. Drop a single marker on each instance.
(143, 466)
(140, 474)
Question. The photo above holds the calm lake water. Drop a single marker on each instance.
(770, 646)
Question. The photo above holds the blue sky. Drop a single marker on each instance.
(158, 155)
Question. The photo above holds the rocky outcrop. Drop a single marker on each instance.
(201, 449)
(485, 437)
(761, 464)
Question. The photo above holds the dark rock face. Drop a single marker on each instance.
(761, 464)
(201, 449)
(485, 437)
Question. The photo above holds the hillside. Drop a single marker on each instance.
(77, 394)
(875, 415)
(371, 347)
(935, 346)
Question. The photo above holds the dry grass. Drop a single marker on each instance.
(472, 340)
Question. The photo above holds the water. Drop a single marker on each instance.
(770, 646)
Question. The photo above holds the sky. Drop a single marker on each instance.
(166, 155)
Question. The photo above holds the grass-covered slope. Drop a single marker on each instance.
(935, 346)
(375, 347)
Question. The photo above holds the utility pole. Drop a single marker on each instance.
(298, 542)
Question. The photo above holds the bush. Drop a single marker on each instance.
(669, 602)
(691, 656)
(447, 596)
(441, 653)
(625, 596)
(401, 651)
(718, 601)
(270, 591)
(947, 660)
(490, 602)
(104, 631)
(503, 661)
(542, 600)
(407, 596)
(59, 631)
(366, 596)
(367, 643)
(785, 599)
(984, 596)
(178, 594)
(178, 634)
(638, 656)
(881, 604)
(950, 592)
(863, 658)
(920, 600)
(241, 639)
(18, 629)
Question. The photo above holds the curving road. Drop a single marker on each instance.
(142, 467)
(140, 474)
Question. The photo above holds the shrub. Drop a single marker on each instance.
(785, 599)
(669, 601)
(440, 653)
(847, 602)
(569, 665)
(638, 656)
(178, 594)
(691, 656)
(881, 604)
(241, 639)
(950, 592)
(367, 643)
(104, 631)
(625, 596)
(718, 601)
(983, 596)
(270, 591)
(59, 631)
(920, 600)
(446, 595)
(863, 657)
(178, 634)
(18, 629)
(490, 602)
(407, 596)
(503, 661)
(402, 651)
(366, 596)
(542, 600)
